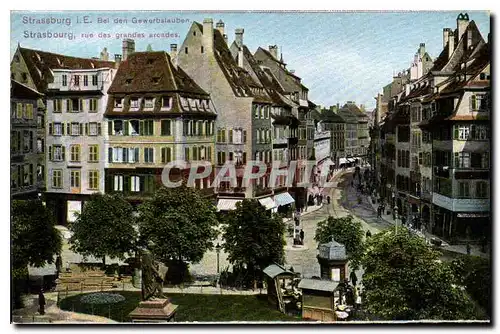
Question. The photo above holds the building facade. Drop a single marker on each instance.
(24, 149)
(156, 114)
(76, 100)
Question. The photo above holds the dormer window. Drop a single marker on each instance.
(165, 102)
(128, 81)
(119, 103)
(134, 103)
(150, 61)
(148, 102)
(482, 76)
(156, 80)
(16, 58)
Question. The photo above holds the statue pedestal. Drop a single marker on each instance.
(153, 311)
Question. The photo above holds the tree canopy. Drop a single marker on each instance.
(105, 227)
(474, 273)
(35, 240)
(178, 224)
(253, 237)
(345, 230)
(404, 280)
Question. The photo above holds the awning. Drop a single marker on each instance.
(343, 161)
(349, 160)
(267, 202)
(327, 161)
(283, 199)
(473, 215)
(226, 204)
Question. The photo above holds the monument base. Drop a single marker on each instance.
(153, 311)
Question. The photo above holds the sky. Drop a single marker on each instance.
(340, 56)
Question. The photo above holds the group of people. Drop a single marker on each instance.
(380, 209)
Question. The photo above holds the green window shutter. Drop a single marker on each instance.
(50, 153)
(68, 128)
(125, 128)
(455, 132)
(51, 128)
(110, 128)
(110, 154)
(68, 105)
(163, 154)
(169, 154)
(81, 129)
(86, 129)
(151, 128)
(63, 154)
(126, 183)
(99, 129)
(231, 136)
(244, 136)
(209, 153)
(141, 128)
(186, 153)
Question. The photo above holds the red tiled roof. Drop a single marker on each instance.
(152, 72)
(40, 63)
(468, 118)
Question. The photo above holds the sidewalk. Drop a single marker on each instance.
(475, 250)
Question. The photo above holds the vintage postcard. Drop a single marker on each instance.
(267, 167)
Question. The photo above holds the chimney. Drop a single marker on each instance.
(240, 57)
(104, 54)
(128, 47)
(173, 53)
(118, 60)
(273, 49)
(451, 43)
(220, 26)
(462, 23)
(421, 49)
(208, 35)
(238, 37)
(446, 32)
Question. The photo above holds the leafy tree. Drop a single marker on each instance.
(474, 273)
(253, 237)
(178, 224)
(404, 280)
(345, 230)
(34, 240)
(105, 227)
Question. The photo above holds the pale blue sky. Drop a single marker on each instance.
(340, 56)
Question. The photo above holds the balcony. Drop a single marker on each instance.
(230, 190)
(262, 191)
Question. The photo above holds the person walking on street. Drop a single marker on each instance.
(368, 234)
(41, 302)
(58, 264)
(302, 236)
(468, 248)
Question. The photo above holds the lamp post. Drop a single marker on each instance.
(217, 250)
(396, 216)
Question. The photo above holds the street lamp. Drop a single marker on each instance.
(396, 217)
(217, 250)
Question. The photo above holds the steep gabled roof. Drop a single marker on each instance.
(289, 81)
(450, 63)
(152, 72)
(40, 64)
(329, 116)
(354, 109)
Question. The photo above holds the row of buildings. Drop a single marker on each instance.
(432, 134)
(81, 126)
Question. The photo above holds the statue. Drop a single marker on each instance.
(153, 274)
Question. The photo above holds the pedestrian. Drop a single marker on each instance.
(468, 248)
(328, 199)
(68, 268)
(58, 264)
(368, 234)
(354, 278)
(41, 302)
(302, 236)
